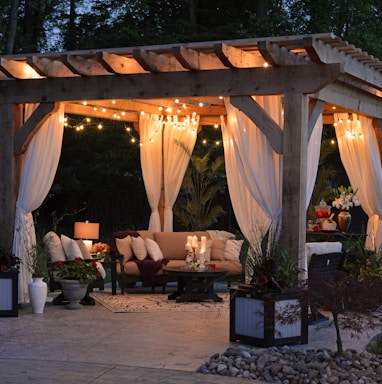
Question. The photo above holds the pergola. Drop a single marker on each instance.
(315, 74)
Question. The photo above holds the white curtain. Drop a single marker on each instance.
(360, 156)
(175, 160)
(150, 129)
(39, 168)
(313, 153)
(247, 152)
(259, 166)
(249, 215)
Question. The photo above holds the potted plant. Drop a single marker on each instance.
(272, 308)
(75, 277)
(9, 268)
(38, 289)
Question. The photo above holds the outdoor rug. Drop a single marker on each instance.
(153, 302)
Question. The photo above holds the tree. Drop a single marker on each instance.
(353, 302)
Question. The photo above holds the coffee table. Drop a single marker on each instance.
(195, 285)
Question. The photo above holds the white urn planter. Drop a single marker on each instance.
(38, 291)
(74, 291)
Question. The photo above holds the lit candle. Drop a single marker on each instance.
(194, 242)
(203, 244)
(188, 246)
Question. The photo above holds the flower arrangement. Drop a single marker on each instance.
(78, 269)
(100, 248)
(8, 260)
(345, 198)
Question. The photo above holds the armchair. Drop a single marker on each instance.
(66, 249)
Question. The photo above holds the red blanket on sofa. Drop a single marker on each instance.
(148, 268)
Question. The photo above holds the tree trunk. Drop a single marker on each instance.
(12, 26)
(338, 333)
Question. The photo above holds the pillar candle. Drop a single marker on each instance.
(203, 244)
(194, 242)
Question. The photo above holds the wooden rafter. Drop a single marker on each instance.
(32, 125)
(263, 121)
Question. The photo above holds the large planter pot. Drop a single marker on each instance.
(9, 293)
(74, 291)
(38, 291)
(262, 320)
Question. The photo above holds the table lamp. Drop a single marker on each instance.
(87, 232)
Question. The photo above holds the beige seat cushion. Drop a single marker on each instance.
(321, 248)
(217, 249)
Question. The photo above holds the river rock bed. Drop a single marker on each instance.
(285, 365)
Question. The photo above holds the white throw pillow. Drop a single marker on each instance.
(54, 247)
(124, 248)
(139, 248)
(232, 249)
(153, 250)
(71, 248)
(84, 250)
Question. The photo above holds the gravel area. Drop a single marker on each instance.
(284, 365)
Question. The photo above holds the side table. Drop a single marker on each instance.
(112, 265)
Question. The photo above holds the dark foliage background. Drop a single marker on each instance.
(99, 173)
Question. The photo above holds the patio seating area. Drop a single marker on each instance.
(94, 345)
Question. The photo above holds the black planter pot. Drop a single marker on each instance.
(265, 319)
(9, 293)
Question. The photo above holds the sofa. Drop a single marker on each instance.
(142, 255)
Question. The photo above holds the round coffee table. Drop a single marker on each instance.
(195, 285)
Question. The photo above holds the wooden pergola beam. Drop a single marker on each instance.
(243, 81)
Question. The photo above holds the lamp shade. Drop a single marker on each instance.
(86, 230)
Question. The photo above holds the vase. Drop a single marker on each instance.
(344, 220)
(74, 291)
(38, 291)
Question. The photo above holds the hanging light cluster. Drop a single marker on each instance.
(353, 127)
(169, 114)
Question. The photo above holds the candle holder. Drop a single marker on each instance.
(194, 254)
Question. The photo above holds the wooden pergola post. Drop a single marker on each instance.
(10, 170)
(295, 142)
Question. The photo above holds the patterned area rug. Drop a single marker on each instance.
(147, 302)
